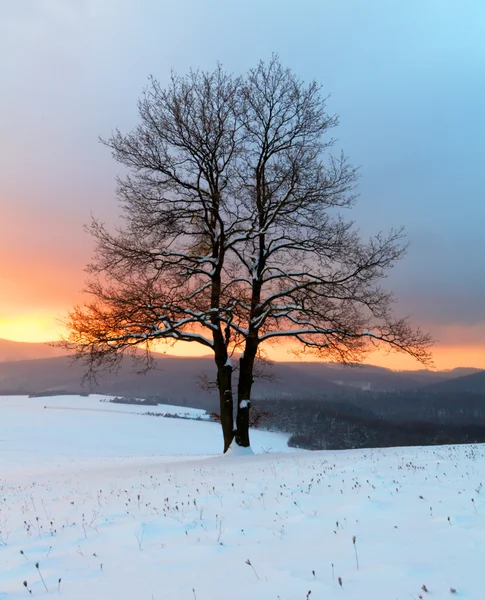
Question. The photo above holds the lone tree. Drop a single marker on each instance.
(233, 236)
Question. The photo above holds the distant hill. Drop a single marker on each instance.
(424, 377)
(474, 383)
(366, 377)
(377, 379)
(10, 351)
(174, 378)
(461, 372)
(36, 368)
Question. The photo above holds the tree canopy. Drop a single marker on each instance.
(234, 235)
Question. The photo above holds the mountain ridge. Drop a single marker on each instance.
(12, 351)
(181, 378)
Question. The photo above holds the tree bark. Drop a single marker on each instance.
(226, 403)
(245, 383)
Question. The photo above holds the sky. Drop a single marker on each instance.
(406, 77)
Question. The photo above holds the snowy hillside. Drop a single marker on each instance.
(100, 502)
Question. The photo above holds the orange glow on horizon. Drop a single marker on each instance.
(45, 328)
(445, 357)
(30, 328)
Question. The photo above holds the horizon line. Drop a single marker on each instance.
(315, 360)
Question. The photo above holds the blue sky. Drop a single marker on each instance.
(406, 77)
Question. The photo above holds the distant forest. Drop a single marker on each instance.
(371, 419)
(320, 405)
(367, 419)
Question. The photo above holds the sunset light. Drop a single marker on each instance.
(242, 299)
(44, 328)
(30, 328)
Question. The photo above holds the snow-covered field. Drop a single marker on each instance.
(114, 505)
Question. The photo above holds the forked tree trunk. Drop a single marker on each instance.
(224, 382)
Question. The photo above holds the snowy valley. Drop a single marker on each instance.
(99, 502)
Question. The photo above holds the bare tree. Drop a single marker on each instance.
(160, 276)
(233, 235)
(308, 276)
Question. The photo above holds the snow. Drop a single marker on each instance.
(235, 450)
(122, 506)
(69, 431)
(91, 403)
(243, 404)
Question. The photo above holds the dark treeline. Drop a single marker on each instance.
(364, 419)
(373, 420)
(444, 407)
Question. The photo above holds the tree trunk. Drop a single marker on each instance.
(224, 382)
(246, 365)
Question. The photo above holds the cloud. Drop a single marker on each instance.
(406, 79)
